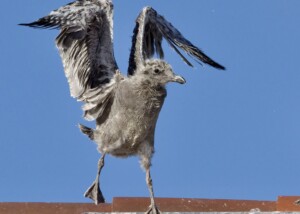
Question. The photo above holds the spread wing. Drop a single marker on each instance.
(85, 44)
(149, 31)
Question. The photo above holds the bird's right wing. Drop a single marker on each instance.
(85, 44)
(151, 28)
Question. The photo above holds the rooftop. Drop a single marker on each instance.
(283, 204)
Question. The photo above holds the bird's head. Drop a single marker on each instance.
(160, 72)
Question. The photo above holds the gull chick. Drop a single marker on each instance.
(125, 108)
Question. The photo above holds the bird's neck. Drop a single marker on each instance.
(152, 85)
(151, 88)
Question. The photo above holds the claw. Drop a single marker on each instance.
(94, 193)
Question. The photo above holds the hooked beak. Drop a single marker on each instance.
(179, 79)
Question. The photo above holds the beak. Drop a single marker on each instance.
(179, 79)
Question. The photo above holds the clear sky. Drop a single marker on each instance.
(231, 134)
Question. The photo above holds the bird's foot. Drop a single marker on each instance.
(153, 210)
(94, 193)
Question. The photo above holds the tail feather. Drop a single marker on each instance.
(87, 131)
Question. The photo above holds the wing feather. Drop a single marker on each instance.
(150, 29)
(85, 44)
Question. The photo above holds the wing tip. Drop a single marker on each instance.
(147, 8)
(218, 66)
(41, 23)
(26, 24)
(205, 59)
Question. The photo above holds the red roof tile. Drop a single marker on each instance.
(283, 204)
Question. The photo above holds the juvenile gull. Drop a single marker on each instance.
(125, 108)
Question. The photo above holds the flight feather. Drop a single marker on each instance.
(85, 44)
(147, 38)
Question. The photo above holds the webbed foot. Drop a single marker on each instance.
(94, 193)
(153, 210)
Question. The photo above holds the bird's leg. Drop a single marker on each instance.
(94, 192)
(152, 209)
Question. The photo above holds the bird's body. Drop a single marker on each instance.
(132, 119)
(126, 109)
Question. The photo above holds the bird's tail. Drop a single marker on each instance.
(87, 131)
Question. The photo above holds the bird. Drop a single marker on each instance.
(125, 108)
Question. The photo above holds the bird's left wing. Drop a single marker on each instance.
(149, 31)
(85, 44)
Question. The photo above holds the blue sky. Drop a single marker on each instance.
(231, 134)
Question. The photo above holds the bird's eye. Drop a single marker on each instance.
(157, 71)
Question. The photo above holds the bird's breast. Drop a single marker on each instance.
(132, 120)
